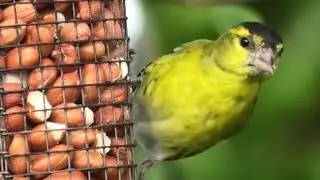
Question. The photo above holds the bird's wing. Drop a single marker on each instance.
(151, 77)
(191, 44)
(151, 71)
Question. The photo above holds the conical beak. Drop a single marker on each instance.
(264, 61)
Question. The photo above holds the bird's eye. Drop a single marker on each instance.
(244, 42)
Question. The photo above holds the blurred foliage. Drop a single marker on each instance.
(281, 141)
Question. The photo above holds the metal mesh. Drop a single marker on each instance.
(65, 90)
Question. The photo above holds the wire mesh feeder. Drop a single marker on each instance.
(64, 90)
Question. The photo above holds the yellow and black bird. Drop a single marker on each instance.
(203, 92)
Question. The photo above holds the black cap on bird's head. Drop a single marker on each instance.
(270, 36)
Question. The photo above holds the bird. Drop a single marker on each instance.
(203, 92)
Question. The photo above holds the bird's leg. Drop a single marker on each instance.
(145, 167)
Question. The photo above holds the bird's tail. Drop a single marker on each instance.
(145, 166)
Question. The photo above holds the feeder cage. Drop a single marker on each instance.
(64, 90)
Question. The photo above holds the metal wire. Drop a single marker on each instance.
(30, 146)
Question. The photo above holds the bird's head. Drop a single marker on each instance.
(250, 48)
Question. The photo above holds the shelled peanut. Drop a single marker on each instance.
(61, 112)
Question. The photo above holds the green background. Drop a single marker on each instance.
(282, 139)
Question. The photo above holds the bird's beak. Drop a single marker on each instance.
(263, 61)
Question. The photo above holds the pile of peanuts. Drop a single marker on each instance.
(64, 90)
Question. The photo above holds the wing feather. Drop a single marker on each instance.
(154, 69)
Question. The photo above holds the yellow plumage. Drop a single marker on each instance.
(204, 116)
(198, 95)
